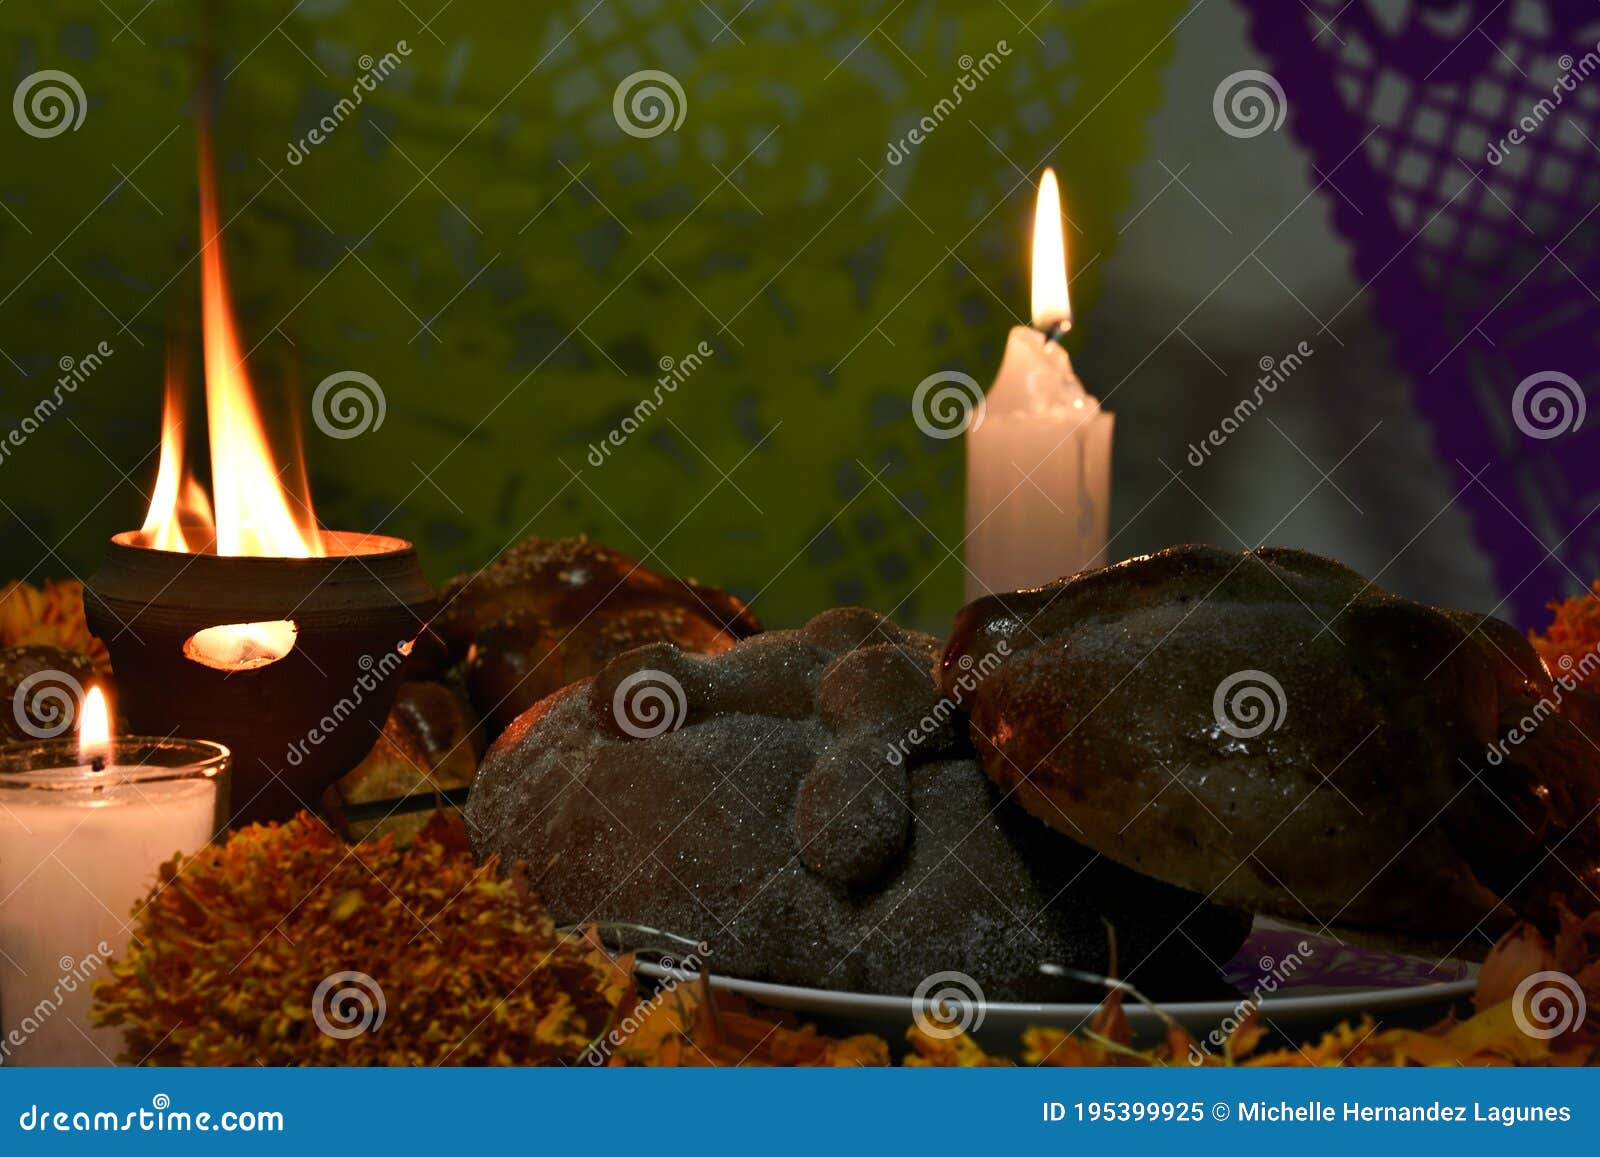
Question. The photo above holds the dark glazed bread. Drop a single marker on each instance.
(770, 801)
(1271, 729)
(551, 611)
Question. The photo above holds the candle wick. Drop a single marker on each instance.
(98, 763)
(1053, 331)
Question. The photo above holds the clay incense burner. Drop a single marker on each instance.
(303, 699)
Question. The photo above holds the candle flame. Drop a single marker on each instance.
(255, 512)
(1051, 305)
(94, 726)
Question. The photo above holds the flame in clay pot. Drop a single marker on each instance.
(255, 512)
(180, 515)
(252, 511)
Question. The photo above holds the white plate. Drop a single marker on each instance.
(1002, 1023)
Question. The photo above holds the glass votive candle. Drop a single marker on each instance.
(80, 848)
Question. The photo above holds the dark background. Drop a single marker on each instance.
(483, 240)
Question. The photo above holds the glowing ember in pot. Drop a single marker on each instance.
(242, 646)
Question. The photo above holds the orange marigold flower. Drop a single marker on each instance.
(285, 946)
(50, 615)
(1574, 633)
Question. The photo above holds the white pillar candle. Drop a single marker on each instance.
(1038, 473)
(1039, 455)
(79, 849)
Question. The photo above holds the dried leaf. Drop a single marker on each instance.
(1520, 953)
(1245, 1037)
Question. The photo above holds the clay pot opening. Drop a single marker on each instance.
(242, 646)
